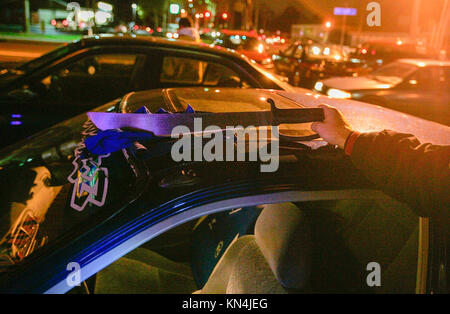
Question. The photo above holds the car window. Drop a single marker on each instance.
(93, 78)
(182, 70)
(187, 71)
(105, 64)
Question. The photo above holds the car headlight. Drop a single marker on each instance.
(266, 61)
(337, 93)
(260, 48)
(318, 86)
(315, 50)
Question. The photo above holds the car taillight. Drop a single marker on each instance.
(65, 23)
(53, 22)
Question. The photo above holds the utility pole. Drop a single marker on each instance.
(344, 24)
(26, 6)
(443, 26)
(414, 26)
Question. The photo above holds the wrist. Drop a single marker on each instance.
(350, 142)
(345, 134)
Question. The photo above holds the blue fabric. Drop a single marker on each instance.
(109, 141)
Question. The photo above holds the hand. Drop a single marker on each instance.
(334, 129)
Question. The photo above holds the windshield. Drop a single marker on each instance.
(46, 58)
(48, 186)
(393, 71)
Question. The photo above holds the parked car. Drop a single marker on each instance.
(416, 86)
(376, 54)
(60, 24)
(247, 43)
(79, 76)
(306, 61)
(136, 221)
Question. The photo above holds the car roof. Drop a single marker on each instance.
(133, 40)
(424, 62)
(362, 116)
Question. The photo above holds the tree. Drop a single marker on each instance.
(152, 11)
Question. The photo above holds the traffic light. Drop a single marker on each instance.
(207, 14)
(224, 15)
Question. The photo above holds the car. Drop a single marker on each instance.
(247, 43)
(306, 61)
(376, 54)
(75, 77)
(416, 86)
(60, 24)
(134, 220)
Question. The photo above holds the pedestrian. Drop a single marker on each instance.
(187, 31)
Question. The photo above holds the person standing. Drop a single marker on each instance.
(187, 31)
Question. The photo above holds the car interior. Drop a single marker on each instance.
(305, 247)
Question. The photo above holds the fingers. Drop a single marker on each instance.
(315, 127)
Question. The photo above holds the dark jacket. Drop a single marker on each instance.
(411, 172)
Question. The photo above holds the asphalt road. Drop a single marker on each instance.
(15, 52)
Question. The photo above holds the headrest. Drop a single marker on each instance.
(283, 235)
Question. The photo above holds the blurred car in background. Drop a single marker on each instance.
(81, 75)
(420, 87)
(306, 61)
(143, 30)
(60, 24)
(247, 43)
(376, 54)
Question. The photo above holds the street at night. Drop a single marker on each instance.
(228, 153)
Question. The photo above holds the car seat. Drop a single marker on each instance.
(276, 259)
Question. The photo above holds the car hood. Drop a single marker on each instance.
(356, 83)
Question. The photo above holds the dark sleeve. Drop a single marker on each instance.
(411, 172)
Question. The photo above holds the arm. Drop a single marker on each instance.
(398, 164)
